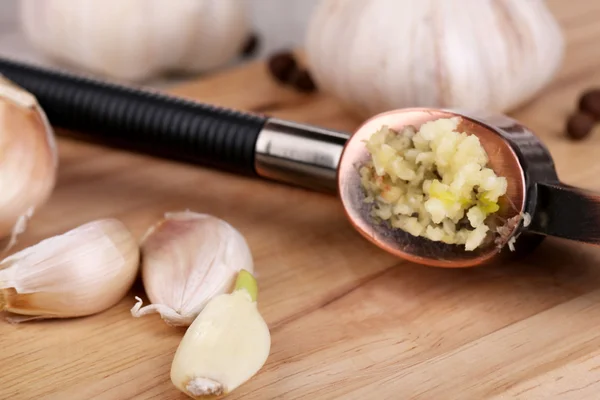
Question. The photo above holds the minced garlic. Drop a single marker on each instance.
(432, 183)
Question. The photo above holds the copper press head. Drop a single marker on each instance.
(515, 153)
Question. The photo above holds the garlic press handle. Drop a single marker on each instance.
(142, 120)
(171, 127)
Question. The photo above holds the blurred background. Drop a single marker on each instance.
(371, 56)
(279, 24)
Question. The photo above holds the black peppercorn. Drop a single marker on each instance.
(303, 82)
(283, 66)
(251, 45)
(580, 125)
(589, 102)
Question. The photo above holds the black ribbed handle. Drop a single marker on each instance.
(141, 120)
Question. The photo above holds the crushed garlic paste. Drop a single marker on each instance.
(432, 183)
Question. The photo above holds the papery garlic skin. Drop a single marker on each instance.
(135, 40)
(379, 55)
(226, 345)
(79, 273)
(187, 259)
(28, 158)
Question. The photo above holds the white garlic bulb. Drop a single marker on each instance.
(78, 273)
(187, 259)
(379, 55)
(28, 159)
(226, 345)
(135, 40)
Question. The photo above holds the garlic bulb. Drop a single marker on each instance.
(81, 272)
(187, 259)
(135, 40)
(28, 159)
(379, 55)
(226, 345)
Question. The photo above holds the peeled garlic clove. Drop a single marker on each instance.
(28, 159)
(226, 345)
(379, 55)
(81, 272)
(187, 259)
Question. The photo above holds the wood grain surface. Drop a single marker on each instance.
(347, 321)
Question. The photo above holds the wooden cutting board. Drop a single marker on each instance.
(347, 321)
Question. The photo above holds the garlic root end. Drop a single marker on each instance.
(19, 227)
(204, 387)
(169, 315)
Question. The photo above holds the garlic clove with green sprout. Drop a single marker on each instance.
(28, 159)
(188, 258)
(137, 40)
(226, 345)
(379, 55)
(78, 273)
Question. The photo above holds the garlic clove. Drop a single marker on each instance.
(187, 259)
(28, 159)
(225, 346)
(81, 272)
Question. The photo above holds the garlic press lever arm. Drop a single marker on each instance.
(567, 212)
